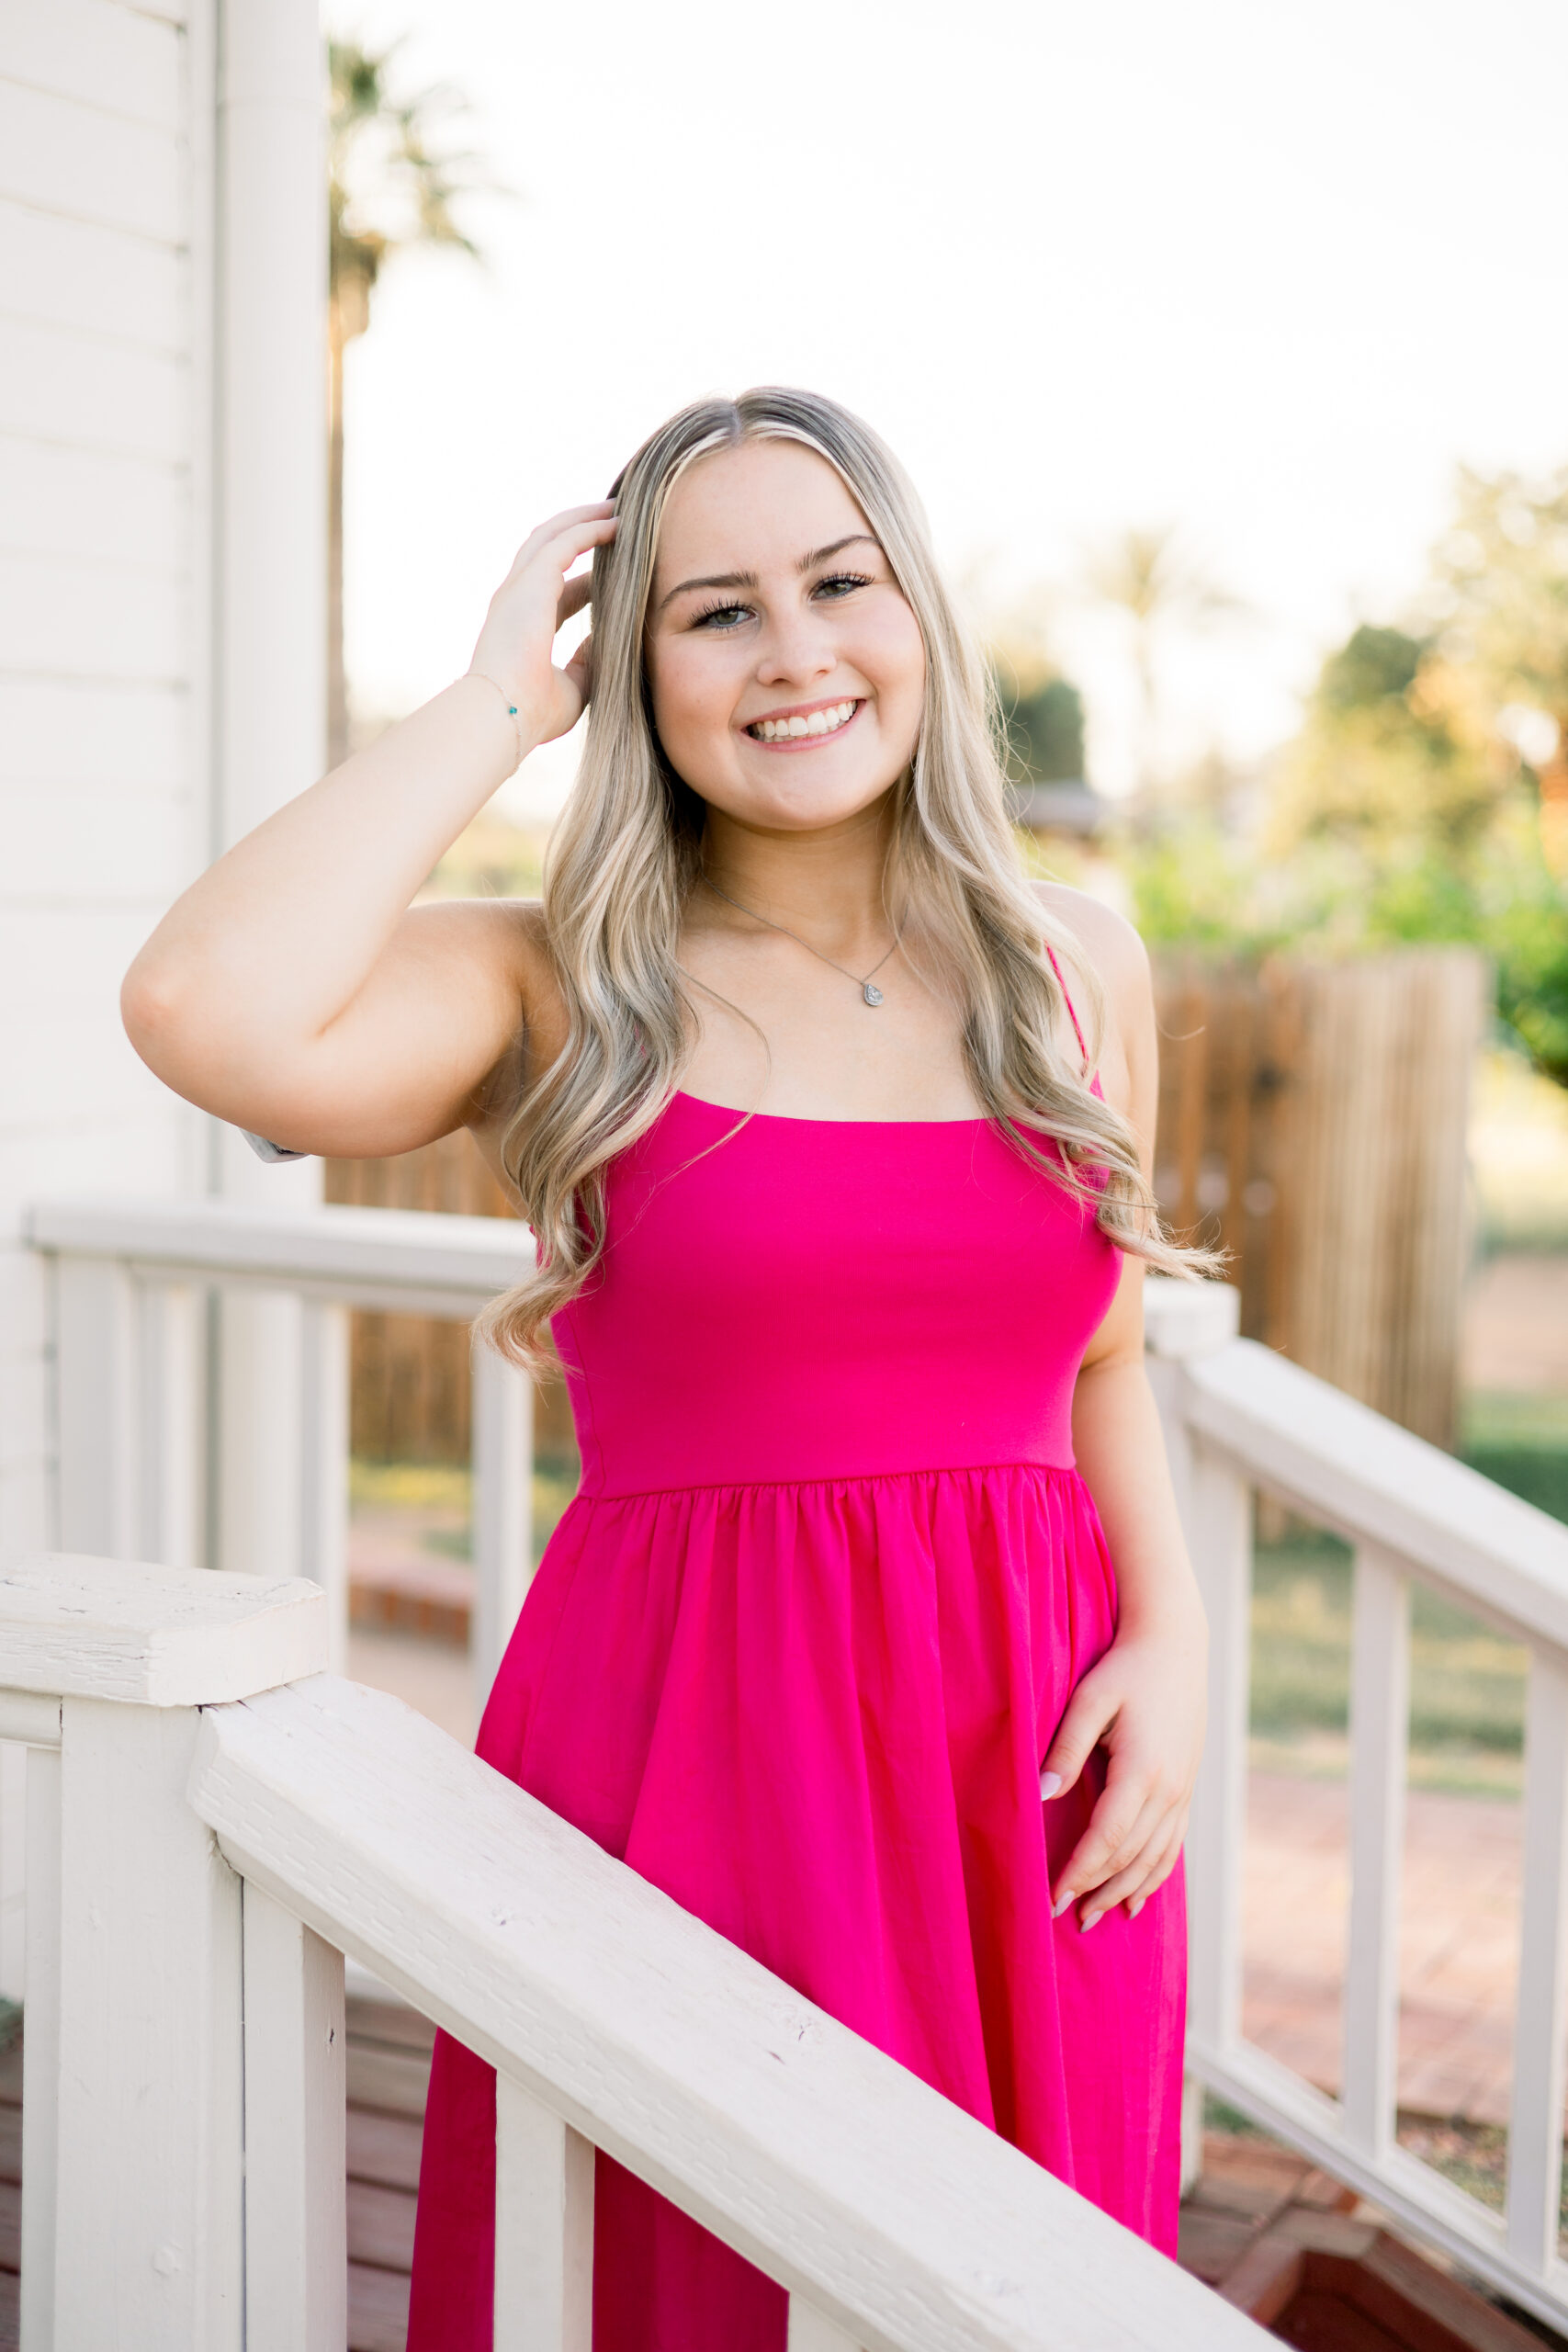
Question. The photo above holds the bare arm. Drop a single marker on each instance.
(1145, 1700)
(293, 989)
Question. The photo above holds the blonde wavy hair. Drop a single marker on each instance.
(627, 852)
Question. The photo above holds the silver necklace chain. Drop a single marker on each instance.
(872, 995)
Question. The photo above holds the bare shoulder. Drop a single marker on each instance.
(1109, 945)
(1105, 943)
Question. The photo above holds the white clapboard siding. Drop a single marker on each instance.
(145, 1145)
(108, 245)
(901, 2219)
(65, 617)
(87, 506)
(62, 386)
(85, 275)
(89, 165)
(90, 945)
(99, 53)
(68, 1067)
(58, 733)
(106, 844)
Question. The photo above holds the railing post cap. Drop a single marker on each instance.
(1186, 1320)
(89, 1628)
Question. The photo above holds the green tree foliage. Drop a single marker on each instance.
(1394, 763)
(1044, 727)
(1426, 794)
(393, 175)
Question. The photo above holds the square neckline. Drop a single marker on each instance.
(794, 1119)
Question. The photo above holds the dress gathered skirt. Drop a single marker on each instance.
(797, 1650)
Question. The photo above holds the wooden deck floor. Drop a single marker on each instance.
(388, 2071)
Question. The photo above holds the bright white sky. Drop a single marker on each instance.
(1265, 269)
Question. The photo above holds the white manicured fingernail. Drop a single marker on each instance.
(1136, 1906)
(1090, 1920)
(1049, 1783)
(1064, 1903)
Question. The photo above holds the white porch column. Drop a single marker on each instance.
(133, 2200)
(269, 661)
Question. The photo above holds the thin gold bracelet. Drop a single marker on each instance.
(510, 712)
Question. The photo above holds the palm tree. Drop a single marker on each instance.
(1149, 577)
(391, 185)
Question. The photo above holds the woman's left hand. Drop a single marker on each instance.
(1144, 1703)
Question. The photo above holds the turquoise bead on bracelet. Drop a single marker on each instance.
(511, 707)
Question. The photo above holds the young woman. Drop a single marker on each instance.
(870, 1636)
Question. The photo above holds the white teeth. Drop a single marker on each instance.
(821, 723)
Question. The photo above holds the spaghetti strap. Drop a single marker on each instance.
(1067, 1000)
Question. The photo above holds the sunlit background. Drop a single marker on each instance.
(1227, 346)
(1263, 277)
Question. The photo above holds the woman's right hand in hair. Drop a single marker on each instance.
(295, 989)
(516, 645)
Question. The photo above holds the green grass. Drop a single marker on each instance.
(1522, 1443)
(440, 1487)
(1467, 1684)
(407, 1486)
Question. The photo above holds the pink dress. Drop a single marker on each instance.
(794, 1653)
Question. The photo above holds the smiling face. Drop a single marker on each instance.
(786, 669)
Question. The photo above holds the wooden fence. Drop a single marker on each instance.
(1312, 1120)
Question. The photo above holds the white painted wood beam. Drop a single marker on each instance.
(1219, 1531)
(29, 1717)
(95, 1341)
(148, 2217)
(40, 2054)
(1380, 1725)
(324, 1467)
(296, 2225)
(1370, 1481)
(406, 1260)
(543, 2227)
(1535, 2123)
(900, 2217)
(169, 1423)
(810, 2332)
(158, 1637)
(502, 1508)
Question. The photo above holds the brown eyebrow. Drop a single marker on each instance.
(808, 562)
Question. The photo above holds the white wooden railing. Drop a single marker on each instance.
(129, 1278)
(139, 1473)
(1238, 1417)
(213, 1823)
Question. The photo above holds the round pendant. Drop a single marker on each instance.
(872, 994)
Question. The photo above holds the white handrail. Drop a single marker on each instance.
(1238, 1416)
(133, 1456)
(200, 2004)
(404, 1261)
